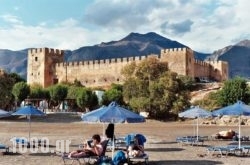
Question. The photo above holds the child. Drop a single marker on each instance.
(135, 149)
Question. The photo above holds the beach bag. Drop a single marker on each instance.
(119, 158)
(110, 130)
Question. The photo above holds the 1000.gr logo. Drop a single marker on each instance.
(23, 145)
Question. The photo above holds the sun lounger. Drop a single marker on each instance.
(223, 150)
(191, 140)
(88, 159)
(244, 150)
(144, 158)
(4, 147)
(119, 143)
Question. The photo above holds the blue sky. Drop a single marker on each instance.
(203, 25)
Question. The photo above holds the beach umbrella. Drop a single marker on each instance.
(195, 112)
(29, 111)
(237, 109)
(112, 113)
(4, 113)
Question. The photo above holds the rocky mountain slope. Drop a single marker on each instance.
(237, 56)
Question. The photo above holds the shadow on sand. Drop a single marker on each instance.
(163, 142)
(49, 118)
(164, 149)
(185, 162)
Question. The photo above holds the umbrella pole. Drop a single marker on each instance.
(197, 125)
(239, 131)
(113, 147)
(29, 127)
(194, 129)
(103, 128)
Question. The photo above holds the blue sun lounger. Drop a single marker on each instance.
(191, 140)
(4, 147)
(229, 149)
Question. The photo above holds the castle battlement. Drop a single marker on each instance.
(201, 63)
(216, 62)
(171, 50)
(46, 51)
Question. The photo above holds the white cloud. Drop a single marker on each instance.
(204, 26)
(11, 19)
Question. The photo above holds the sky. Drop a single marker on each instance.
(202, 25)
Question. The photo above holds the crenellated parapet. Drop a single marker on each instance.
(174, 50)
(104, 62)
(216, 62)
(201, 63)
(52, 52)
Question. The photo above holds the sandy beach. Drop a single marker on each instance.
(161, 143)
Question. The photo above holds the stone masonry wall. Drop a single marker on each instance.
(46, 67)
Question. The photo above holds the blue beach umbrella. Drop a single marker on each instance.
(28, 111)
(197, 113)
(112, 113)
(4, 113)
(237, 109)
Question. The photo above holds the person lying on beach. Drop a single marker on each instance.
(95, 150)
(225, 134)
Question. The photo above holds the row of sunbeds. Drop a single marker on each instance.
(242, 150)
(233, 149)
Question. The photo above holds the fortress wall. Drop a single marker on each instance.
(93, 73)
(219, 70)
(105, 72)
(202, 69)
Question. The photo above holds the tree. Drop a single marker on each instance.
(58, 93)
(16, 78)
(38, 92)
(86, 99)
(115, 93)
(112, 95)
(20, 90)
(6, 97)
(151, 87)
(233, 90)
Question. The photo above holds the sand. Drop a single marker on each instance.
(161, 143)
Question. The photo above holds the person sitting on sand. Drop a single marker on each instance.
(135, 149)
(225, 134)
(95, 150)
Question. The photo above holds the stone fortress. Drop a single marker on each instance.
(47, 67)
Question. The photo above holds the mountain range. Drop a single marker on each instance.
(135, 44)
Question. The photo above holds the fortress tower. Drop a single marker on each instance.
(41, 66)
(180, 60)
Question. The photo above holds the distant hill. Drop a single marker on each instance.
(14, 61)
(237, 56)
(135, 44)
